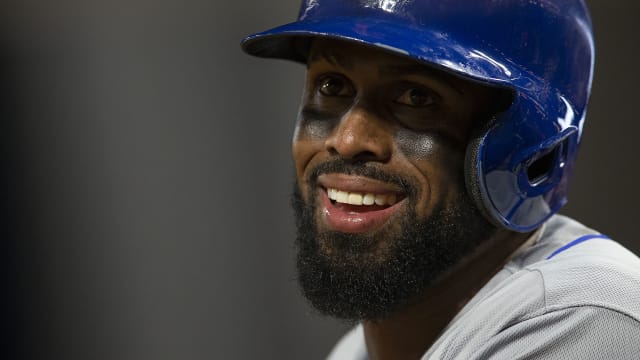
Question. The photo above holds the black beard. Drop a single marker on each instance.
(348, 277)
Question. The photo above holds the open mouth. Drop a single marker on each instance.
(354, 204)
(360, 201)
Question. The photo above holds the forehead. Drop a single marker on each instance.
(349, 54)
(384, 63)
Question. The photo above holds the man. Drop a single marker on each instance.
(434, 144)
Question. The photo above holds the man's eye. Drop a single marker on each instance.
(416, 98)
(334, 86)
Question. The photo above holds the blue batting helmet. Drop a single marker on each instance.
(519, 163)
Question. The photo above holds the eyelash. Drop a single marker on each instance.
(345, 84)
(421, 91)
(321, 82)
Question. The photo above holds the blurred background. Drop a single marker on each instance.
(146, 175)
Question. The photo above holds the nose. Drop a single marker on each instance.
(361, 135)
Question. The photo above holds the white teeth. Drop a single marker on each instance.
(342, 197)
(368, 199)
(332, 193)
(354, 198)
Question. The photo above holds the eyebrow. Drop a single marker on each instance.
(332, 58)
(388, 70)
(420, 70)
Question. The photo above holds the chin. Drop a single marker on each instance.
(370, 274)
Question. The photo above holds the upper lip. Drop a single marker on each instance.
(355, 183)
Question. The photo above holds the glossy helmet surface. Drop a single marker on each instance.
(519, 163)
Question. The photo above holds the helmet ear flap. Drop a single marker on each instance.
(473, 170)
(531, 177)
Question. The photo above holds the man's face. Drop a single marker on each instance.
(379, 149)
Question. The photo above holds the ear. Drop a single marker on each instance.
(473, 170)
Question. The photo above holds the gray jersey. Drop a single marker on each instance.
(571, 294)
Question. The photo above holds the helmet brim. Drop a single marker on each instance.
(433, 47)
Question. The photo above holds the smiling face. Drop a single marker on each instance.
(379, 151)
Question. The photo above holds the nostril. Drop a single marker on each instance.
(366, 156)
(361, 154)
(333, 151)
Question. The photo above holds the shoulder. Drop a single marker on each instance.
(574, 292)
(590, 270)
(580, 332)
(588, 309)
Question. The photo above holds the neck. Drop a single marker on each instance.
(409, 332)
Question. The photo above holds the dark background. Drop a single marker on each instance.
(146, 172)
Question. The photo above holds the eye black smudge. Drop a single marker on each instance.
(416, 145)
(315, 124)
(423, 145)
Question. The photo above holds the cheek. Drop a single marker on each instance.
(308, 139)
(415, 146)
(430, 146)
(311, 131)
(440, 161)
(312, 128)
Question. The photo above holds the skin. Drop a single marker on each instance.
(362, 104)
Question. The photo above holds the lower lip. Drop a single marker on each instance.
(355, 222)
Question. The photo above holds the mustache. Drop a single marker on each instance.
(365, 169)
